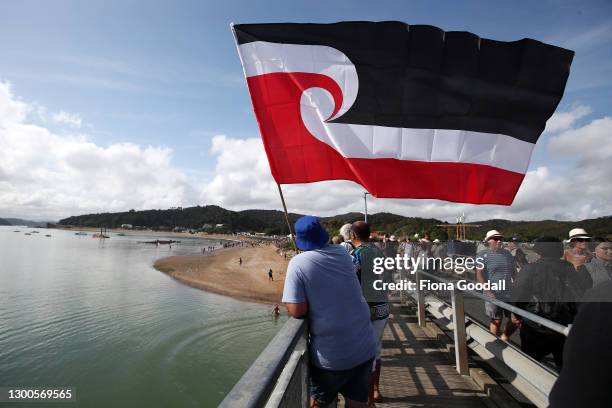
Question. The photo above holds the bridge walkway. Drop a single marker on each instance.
(417, 372)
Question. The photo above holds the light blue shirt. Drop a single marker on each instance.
(341, 334)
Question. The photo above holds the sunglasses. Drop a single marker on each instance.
(581, 239)
(496, 239)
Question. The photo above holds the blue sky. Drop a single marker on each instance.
(167, 74)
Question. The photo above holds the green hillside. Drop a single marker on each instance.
(216, 219)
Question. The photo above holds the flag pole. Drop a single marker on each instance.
(287, 218)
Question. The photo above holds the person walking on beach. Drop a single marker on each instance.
(270, 276)
(363, 258)
(321, 285)
(240, 261)
(276, 310)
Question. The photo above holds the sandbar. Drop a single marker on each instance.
(220, 272)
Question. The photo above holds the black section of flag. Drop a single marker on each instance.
(418, 76)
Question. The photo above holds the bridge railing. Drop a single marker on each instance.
(528, 376)
(279, 376)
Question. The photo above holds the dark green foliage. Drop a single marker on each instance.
(273, 222)
(530, 230)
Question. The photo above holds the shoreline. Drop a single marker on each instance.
(226, 237)
(221, 273)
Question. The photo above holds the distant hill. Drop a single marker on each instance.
(4, 222)
(268, 221)
(27, 223)
(217, 219)
(529, 230)
(210, 217)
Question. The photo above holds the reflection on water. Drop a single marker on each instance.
(77, 311)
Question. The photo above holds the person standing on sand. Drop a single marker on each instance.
(240, 261)
(270, 276)
(321, 285)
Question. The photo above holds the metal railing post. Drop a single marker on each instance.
(420, 300)
(461, 358)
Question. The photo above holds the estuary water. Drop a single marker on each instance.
(95, 315)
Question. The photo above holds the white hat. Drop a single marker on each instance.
(578, 233)
(392, 238)
(436, 240)
(416, 235)
(491, 234)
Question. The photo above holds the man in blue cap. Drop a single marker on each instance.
(321, 285)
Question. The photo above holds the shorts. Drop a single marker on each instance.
(353, 384)
(495, 312)
(379, 329)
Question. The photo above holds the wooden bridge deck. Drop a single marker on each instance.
(416, 372)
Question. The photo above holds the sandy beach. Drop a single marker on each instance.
(221, 272)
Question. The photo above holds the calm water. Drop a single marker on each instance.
(77, 311)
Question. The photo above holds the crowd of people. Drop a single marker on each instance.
(330, 283)
(551, 286)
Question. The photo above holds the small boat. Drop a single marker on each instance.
(47, 235)
(80, 233)
(27, 233)
(99, 236)
(16, 231)
(35, 232)
(121, 234)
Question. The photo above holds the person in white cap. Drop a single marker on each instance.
(578, 252)
(498, 268)
(440, 249)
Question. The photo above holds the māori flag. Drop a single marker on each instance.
(407, 111)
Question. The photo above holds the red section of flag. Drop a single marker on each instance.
(296, 156)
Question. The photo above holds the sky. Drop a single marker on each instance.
(116, 105)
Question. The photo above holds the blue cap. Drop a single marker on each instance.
(310, 234)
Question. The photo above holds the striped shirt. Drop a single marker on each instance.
(498, 266)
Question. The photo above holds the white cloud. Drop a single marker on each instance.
(598, 35)
(47, 176)
(66, 118)
(564, 120)
(12, 110)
